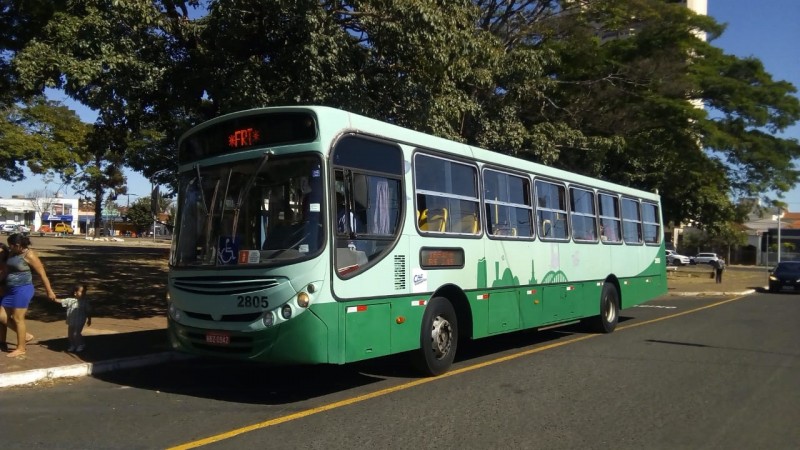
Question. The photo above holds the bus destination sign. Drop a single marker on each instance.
(441, 258)
(244, 137)
(258, 130)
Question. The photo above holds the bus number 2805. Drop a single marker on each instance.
(247, 301)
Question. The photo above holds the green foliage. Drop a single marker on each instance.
(139, 215)
(729, 235)
(693, 241)
(44, 135)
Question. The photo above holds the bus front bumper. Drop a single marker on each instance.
(301, 340)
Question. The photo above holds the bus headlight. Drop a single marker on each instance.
(286, 312)
(174, 313)
(303, 300)
(268, 319)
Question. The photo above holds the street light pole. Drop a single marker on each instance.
(154, 199)
(129, 199)
(780, 215)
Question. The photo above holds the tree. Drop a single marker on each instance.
(20, 22)
(726, 237)
(43, 200)
(139, 214)
(605, 88)
(43, 135)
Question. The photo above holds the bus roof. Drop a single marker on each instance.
(332, 122)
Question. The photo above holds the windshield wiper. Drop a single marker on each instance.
(200, 185)
(209, 219)
(246, 189)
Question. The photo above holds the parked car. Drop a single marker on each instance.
(785, 275)
(62, 227)
(8, 228)
(676, 259)
(24, 229)
(703, 258)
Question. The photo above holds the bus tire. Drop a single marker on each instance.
(606, 321)
(438, 338)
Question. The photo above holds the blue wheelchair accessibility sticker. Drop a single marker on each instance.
(228, 250)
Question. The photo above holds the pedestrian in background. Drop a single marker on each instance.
(79, 313)
(21, 264)
(719, 267)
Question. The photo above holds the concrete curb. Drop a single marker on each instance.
(84, 369)
(706, 294)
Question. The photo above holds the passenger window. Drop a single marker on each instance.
(507, 200)
(551, 210)
(652, 227)
(610, 222)
(582, 213)
(631, 221)
(446, 196)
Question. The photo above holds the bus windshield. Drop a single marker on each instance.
(263, 211)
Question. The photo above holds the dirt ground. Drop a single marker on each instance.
(734, 279)
(127, 280)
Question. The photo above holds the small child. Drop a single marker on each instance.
(79, 312)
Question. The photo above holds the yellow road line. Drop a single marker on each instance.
(421, 381)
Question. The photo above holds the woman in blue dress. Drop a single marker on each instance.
(18, 294)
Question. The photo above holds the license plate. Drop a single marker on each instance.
(218, 338)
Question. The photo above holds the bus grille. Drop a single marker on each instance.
(249, 317)
(223, 285)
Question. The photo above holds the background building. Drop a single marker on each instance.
(38, 212)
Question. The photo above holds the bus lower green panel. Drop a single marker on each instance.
(530, 307)
(589, 302)
(640, 289)
(556, 306)
(480, 316)
(406, 322)
(367, 331)
(503, 312)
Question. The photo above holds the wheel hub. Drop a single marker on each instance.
(441, 337)
(611, 312)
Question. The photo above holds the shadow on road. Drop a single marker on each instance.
(255, 383)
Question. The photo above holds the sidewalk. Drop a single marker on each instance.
(111, 344)
(114, 344)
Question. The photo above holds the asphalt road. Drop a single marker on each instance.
(679, 372)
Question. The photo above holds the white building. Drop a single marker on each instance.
(40, 211)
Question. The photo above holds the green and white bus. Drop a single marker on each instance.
(309, 235)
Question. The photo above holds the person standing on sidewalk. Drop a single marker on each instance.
(79, 313)
(19, 290)
(5, 253)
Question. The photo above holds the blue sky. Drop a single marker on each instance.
(767, 30)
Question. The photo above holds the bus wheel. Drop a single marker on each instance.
(606, 322)
(438, 338)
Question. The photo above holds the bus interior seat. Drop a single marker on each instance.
(433, 220)
(503, 229)
(469, 224)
